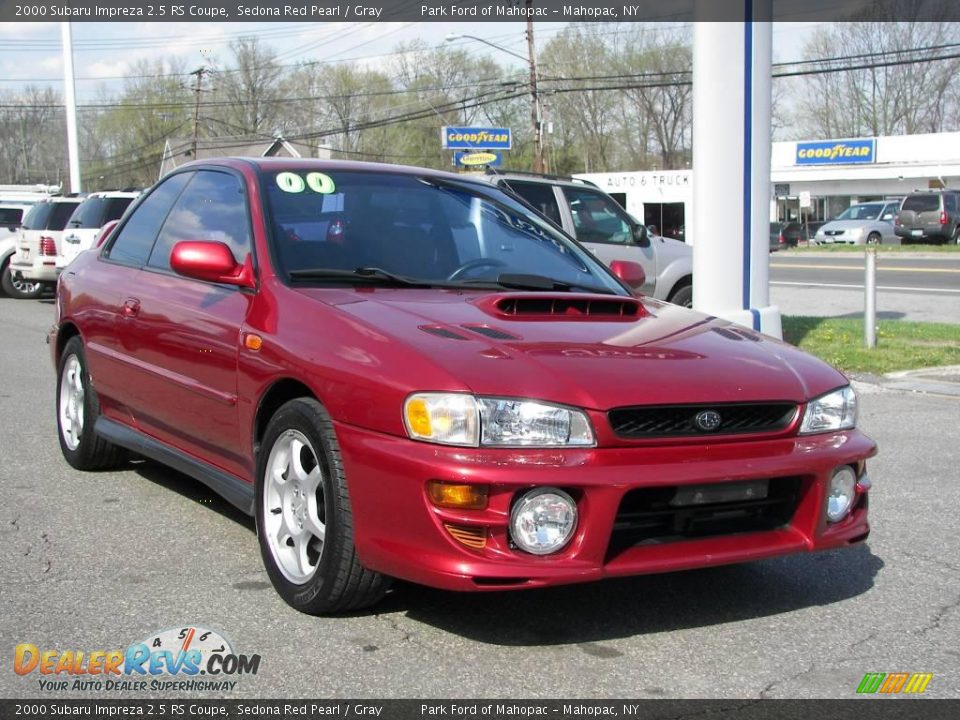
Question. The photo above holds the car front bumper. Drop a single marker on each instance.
(399, 532)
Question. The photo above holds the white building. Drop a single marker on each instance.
(832, 174)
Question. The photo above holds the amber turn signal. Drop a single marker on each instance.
(457, 495)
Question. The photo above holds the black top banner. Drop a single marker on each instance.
(478, 10)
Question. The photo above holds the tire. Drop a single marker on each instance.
(683, 296)
(304, 517)
(874, 239)
(77, 410)
(955, 238)
(20, 289)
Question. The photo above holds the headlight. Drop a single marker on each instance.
(836, 410)
(460, 419)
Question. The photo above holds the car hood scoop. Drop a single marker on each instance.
(540, 306)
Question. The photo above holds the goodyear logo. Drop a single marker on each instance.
(894, 683)
(475, 138)
(836, 152)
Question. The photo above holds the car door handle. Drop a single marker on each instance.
(131, 307)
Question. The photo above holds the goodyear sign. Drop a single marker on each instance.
(475, 138)
(477, 159)
(836, 152)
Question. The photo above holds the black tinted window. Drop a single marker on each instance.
(36, 218)
(136, 237)
(922, 203)
(212, 208)
(97, 212)
(10, 217)
(539, 196)
(950, 202)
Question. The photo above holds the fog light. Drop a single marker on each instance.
(543, 520)
(841, 494)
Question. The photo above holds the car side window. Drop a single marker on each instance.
(540, 196)
(950, 203)
(597, 218)
(212, 209)
(132, 245)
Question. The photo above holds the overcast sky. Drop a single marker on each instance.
(30, 52)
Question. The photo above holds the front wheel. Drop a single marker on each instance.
(874, 239)
(304, 516)
(77, 411)
(683, 296)
(19, 288)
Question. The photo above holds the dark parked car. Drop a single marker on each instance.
(932, 215)
(407, 373)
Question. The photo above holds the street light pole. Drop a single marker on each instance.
(536, 116)
(70, 102)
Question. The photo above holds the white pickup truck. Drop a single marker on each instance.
(607, 230)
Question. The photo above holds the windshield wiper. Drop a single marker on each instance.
(529, 281)
(364, 274)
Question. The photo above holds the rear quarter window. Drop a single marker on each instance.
(36, 218)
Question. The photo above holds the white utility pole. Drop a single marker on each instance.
(70, 98)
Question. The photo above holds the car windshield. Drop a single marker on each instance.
(867, 211)
(425, 229)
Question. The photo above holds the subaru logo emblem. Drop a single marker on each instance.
(708, 420)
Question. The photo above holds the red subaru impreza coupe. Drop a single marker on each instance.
(407, 373)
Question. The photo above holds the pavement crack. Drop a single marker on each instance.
(934, 561)
(764, 694)
(939, 615)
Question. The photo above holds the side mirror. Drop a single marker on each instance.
(210, 261)
(888, 216)
(640, 236)
(631, 273)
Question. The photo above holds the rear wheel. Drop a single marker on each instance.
(683, 296)
(20, 289)
(77, 411)
(304, 516)
(955, 238)
(874, 239)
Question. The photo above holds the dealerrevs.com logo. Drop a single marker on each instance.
(187, 658)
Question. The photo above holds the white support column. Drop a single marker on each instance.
(731, 166)
(70, 99)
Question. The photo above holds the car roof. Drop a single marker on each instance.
(274, 164)
(113, 194)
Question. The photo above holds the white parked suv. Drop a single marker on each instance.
(11, 219)
(594, 218)
(83, 227)
(36, 257)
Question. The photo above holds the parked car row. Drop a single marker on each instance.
(922, 216)
(41, 239)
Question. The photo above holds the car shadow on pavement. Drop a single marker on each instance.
(620, 608)
(594, 612)
(189, 488)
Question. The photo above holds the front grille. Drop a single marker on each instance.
(833, 233)
(661, 421)
(649, 516)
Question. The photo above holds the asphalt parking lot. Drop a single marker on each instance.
(101, 560)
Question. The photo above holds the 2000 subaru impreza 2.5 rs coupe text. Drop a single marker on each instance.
(406, 373)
